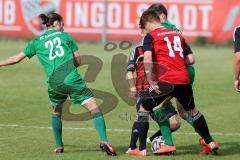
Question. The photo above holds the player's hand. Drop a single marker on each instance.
(155, 87)
(237, 85)
(132, 92)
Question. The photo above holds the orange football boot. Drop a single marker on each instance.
(137, 152)
(165, 149)
(210, 148)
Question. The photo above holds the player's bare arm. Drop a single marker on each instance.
(189, 59)
(148, 65)
(237, 71)
(13, 60)
(147, 60)
(77, 59)
(236, 65)
(131, 77)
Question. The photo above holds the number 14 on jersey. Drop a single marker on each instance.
(176, 46)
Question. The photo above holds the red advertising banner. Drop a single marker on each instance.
(84, 19)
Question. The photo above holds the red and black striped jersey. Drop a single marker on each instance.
(135, 63)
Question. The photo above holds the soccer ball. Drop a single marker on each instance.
(157, 143)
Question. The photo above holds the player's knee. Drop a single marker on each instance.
(57, 110)
(183, 115)
(91, 106)
(175, 122)
(142, 116)
(193, 112)
(141, 109)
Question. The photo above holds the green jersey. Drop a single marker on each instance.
(54, 50)
(170, 26)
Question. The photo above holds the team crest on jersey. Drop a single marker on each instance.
(31, 10)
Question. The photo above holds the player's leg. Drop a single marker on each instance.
(160, 114)
(99, 124)
(132, 149)
(175, 124)
(57, 128)
(57, 100)
(83, 95)
(98, 119)
(174, 120)
(187, 117)
(184, 114)
(201, 126)
(134, 134)
(141, 126)
(184, 95)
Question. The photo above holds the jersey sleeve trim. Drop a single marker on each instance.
(132, 61)
(147, 43)
(29, 51)
(188, 49)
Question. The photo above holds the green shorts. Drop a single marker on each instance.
(78, 93)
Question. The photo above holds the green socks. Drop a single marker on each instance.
(162, 119)
(57, 129)
(100, 126)
(189, 120)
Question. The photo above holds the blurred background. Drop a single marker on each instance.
(202, 21)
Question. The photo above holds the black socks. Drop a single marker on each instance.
(201, 127)
(134, 136)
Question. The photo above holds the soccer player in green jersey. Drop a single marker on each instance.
(59, 56)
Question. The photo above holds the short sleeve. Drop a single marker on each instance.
(132, 61)
(187, 49)
(236, 40)
(72, 44)
(147, 43)
(29, 50)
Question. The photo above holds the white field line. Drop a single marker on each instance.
(110, 130)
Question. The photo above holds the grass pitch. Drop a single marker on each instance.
(25, 111)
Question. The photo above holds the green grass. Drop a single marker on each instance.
(24, 101)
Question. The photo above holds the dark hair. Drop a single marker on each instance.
(159, 8)
(148, 16)
(49, 19)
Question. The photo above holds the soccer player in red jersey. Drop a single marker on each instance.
(165, 47)
(136, 78)
(162, 12)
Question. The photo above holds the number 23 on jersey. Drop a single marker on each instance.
(55, 45)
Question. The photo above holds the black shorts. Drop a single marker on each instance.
(182, 92)
(169, 107)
